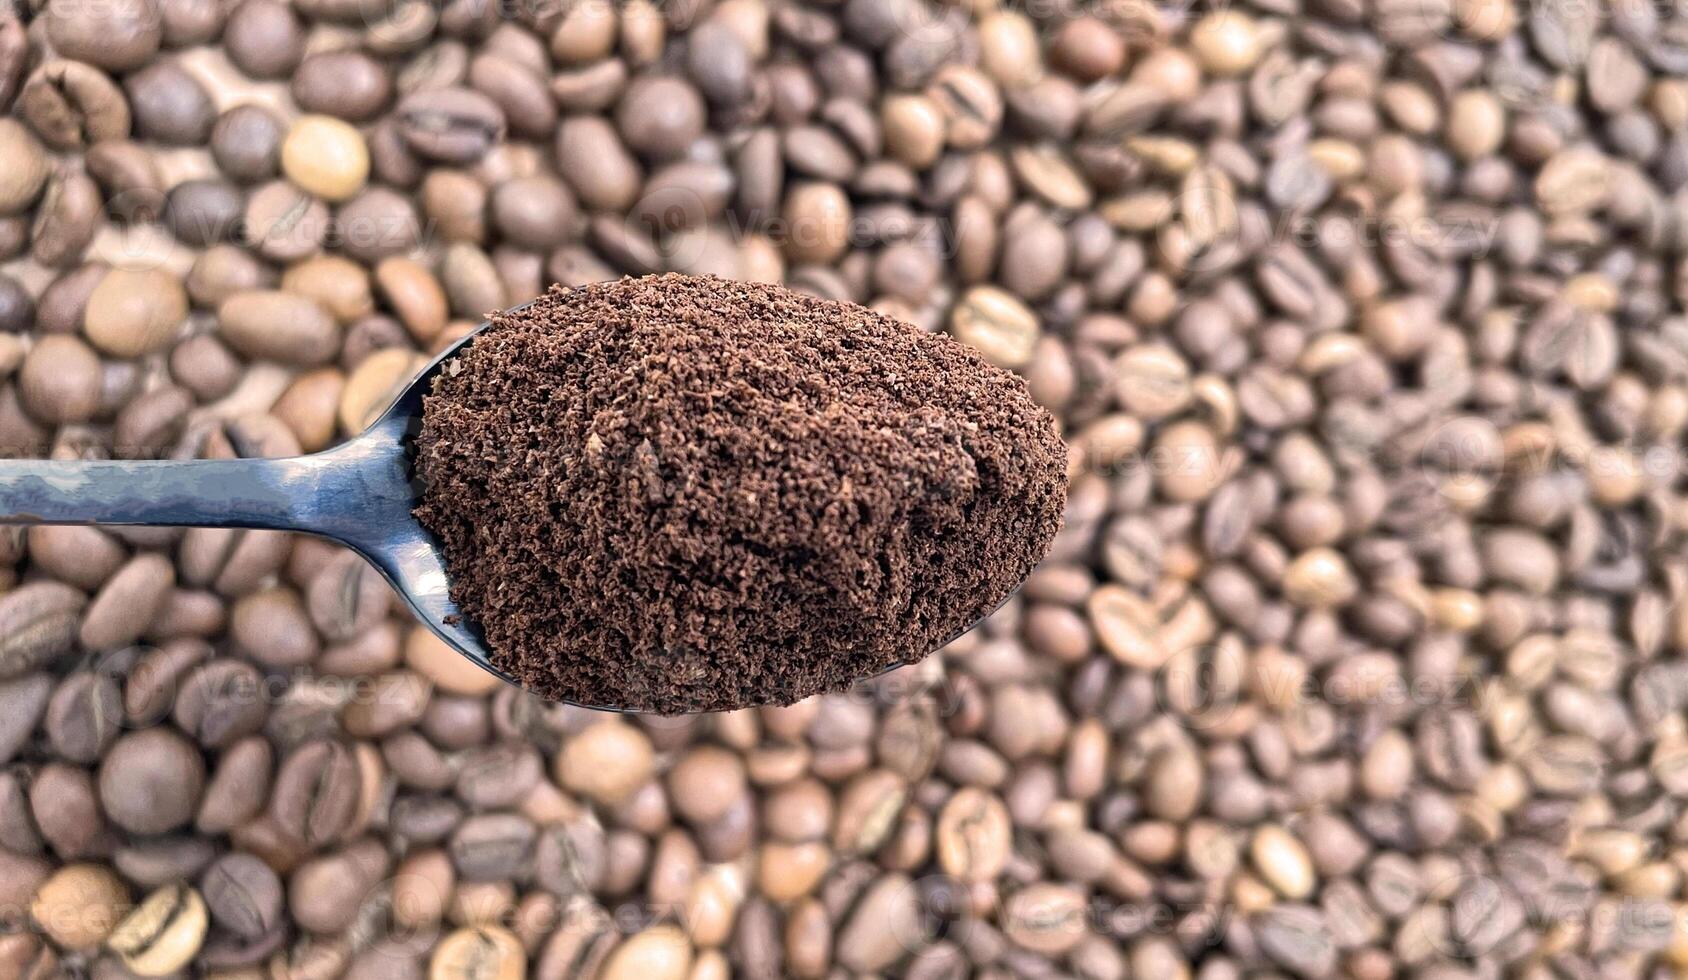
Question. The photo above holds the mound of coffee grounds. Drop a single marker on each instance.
(688, 494)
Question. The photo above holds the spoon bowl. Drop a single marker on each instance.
(360, 493)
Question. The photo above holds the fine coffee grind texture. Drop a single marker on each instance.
(688, 494)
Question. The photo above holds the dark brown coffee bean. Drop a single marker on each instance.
(17, 822)
(66, 809)
(490, 846)
(592, 88)
(204, 212)
(264, 39)
(246, 142)
(347, 84)
(377, 224)
(659, 117)
(238, 787)
(17, 306)
(14, 59)
(316, 792)
(533, 212)
(83, 716)
(38, 623)
(150, 781)
(22, 704)
(416, 763)
(347, 597)
(220, 702)
(67, 217)
(454, 125)
(520, 92)
(191, 22)
(426, 819)
(147, 427)
(128, 174)
(152, 682)
(242, 895)
(345, 11)
(169, 104)
(719, 64)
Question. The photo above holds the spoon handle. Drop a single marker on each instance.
(252, 493)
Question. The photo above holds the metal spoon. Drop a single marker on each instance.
(360, 493)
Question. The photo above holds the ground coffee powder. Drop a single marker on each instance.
(687, 494)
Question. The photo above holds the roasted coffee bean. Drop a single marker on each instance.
(1368, 365)
(38, 623)
(80, 905)
(28, 169)
(488, 847)
(170, 105)
(191, 22)
(163, 933)
(263, 38)
(83, 716)
(204, 212)
(377, 224)
(71, 105)
(597, 164)
(519, 90)
(66, 808)
(246, 142)
(316, 792)
(219, 702)
(129, 175)
(150, 781)
(283, 223)
(278, 326)
(120, 36)
(237, 788)
(17, 306)
(455, 125)
(349, 85)
(67, 218)
(14, 59)
(242, 895)
(25, 700)
(1295, 938)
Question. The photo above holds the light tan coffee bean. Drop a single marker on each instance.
(79, 905)
(997, 324)
(278, 326)
(60, 380)
(373, 386)
(163, 933)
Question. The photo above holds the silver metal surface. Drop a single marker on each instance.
(359, 493)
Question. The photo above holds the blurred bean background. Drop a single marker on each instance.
(1361, 653)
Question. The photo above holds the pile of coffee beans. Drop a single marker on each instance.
(1361, 652)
